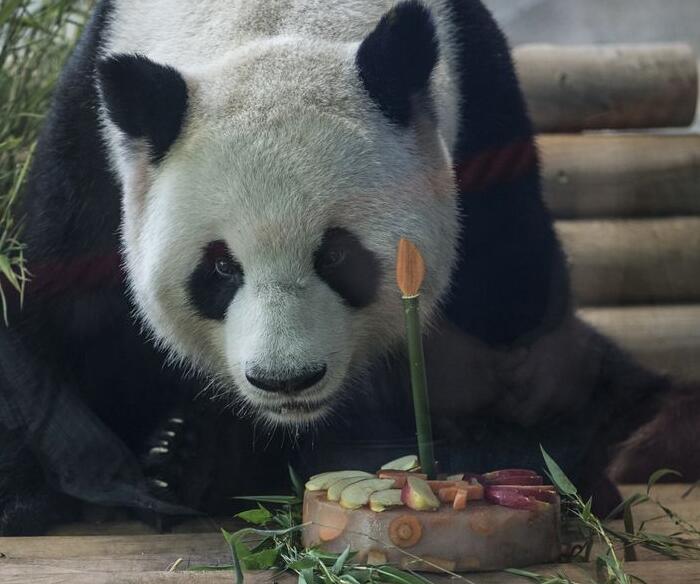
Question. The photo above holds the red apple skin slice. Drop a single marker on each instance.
(516, 480)
(400, 476)
(513, 499)
(546, 493)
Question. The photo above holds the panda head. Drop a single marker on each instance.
(263, 199)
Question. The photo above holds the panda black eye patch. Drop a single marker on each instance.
(215, 281)
(347, 267)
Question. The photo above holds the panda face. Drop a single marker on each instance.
(261, 247)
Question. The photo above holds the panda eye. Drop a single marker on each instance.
(225, 267)
(221, 262)
(333, 258)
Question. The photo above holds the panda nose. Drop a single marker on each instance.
(288, 385)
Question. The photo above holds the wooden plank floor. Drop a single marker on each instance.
(133, 556)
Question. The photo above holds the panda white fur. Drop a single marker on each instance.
(251, 167)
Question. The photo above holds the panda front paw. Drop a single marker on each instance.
(176, 457)
(164, 458)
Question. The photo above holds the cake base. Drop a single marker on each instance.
(483, 536)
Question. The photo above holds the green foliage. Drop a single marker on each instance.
(35, 39)
(681, 545)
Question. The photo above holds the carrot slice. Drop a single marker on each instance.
(460, 501)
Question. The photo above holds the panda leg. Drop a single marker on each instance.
(28, 505)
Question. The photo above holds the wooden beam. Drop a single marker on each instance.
(659, 572)
(641, 261)
(142, 559)
(666, 338)
(621, 175)
(573, 88)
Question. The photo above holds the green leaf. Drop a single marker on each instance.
(7, 9)
(630, 501)
(658, 475)
(523, 574)
(394, 575)
(297, 483)
(238, 569)
(560, 480)
(201, 568)
(340, 562)
(275, 499)
(259, 516)
(301, 564)
(262, 560)
(306, 576)
(8, 272)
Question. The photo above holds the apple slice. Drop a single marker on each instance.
(321, 482)
(337, 488)
(516, 480)
(513, 499)
(399, 476)
(405, 463)
(381, 500)
(546, 493)
(357, 494)
(418, 495)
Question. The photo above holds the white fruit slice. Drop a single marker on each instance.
(337, 488)
(381, 500)
(321, 482)
(405, 463)
(357, 494)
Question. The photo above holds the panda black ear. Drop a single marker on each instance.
(397, 58)
(144, 99)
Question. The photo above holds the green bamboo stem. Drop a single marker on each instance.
(419, 385)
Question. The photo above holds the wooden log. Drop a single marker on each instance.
(636, 261)
(621, 175)
(660, 572)
(573, 88)
(666, 338)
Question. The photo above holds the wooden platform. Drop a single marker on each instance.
(136, 557)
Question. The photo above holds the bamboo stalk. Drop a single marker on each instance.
(409, 275)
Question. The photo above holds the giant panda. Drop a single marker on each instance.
(211, 223)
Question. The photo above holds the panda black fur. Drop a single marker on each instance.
(430, 92)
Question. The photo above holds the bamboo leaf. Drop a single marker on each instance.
(238, 569)
(259, 516)
(275, 499)
(560, 480)
(306, 576)
(340, 562)
(297, 483)
(630, 501)
(658, 475)
(394, 575)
